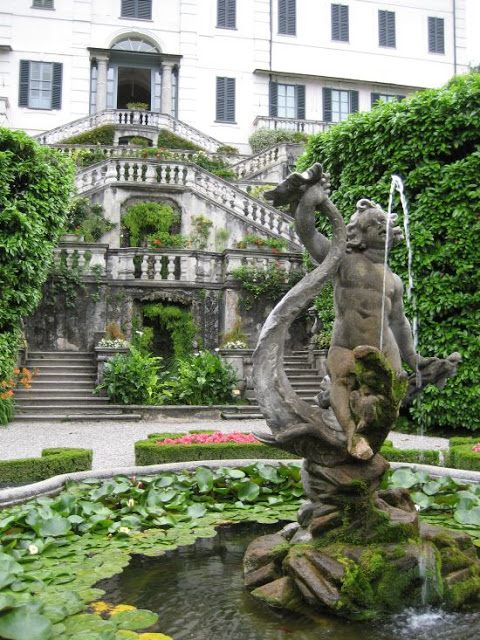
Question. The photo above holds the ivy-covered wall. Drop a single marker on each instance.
(432, 140)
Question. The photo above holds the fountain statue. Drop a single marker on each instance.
(356, 551)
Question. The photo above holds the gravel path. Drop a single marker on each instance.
(112, 442)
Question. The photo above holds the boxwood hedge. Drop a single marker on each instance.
(53, 462)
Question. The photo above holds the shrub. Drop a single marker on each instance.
(266, 138)
(87, 219)
(142, 142)
(201, 226)
(269, 243)
(217, 166)
(87, 157)
(35, 187)
(200, 379)
(170, 140)
(431, 139)
(101, 135)
(53, 462)
(164, 240)
(131, 378)
(227, 150)
(268, 283)
(145, 218)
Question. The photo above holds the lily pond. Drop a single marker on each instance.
(105, 560)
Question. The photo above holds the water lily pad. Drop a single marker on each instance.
(6, 602)
(154, 636)
(133, 620)
(204, 478)
(55, 526)
(125, 633)
(83, 622)
(22, 623)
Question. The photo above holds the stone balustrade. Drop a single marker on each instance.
(129, 118)
(291, 124)
(118, 171)
(261, 161)
(186, 266)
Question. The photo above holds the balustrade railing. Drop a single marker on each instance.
(180, 174)
(129, 118)
(291, 124)
(185, 266)
(260, 161)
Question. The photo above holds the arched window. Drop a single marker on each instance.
(133, 43)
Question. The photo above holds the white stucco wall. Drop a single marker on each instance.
(188, 28)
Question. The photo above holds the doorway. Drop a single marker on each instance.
(133, 85)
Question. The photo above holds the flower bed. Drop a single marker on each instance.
(205, 445)
(53, 462)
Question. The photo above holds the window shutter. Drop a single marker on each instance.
(344, 23)
(327, 105)
(400, 98)
(282, 16)
(291, 17)
(231, 22)
(273, 100)
(57, 86)
(230, 106)
(220, 99)
(440, 36)
(43, 4)
(221, 13)
(335, 22)
(24, 82)
(144, 9)
(436, 36)
(300, 90)
(128, 9)
(390, 29)
(374, 98)
(353, 101)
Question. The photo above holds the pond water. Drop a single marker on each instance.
(198, 593)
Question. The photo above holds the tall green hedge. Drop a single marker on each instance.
(100, 135)
(432, 141)
(35, 187)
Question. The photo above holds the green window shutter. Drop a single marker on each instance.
(436, 35)
(287, 17)
(225, 110)
(144, 9)
(386, 28)
(273, 100)
(300, 90)
(230, 102)
(400, 98)
(221, 13)
(339, 14)
(374, 98)
(327, 105)
(24, 82)
(128, 8)
(353, 101)
(57, 85)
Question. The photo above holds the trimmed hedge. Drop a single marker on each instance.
(100, 135)
(148, 452)
(53, 462)
(462, 457)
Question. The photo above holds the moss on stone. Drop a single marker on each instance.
(453, 559)
(463, 591)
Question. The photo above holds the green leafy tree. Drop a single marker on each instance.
(35, 187)
(432, 140)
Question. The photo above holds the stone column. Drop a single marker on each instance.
(166, 102)
(102, 68)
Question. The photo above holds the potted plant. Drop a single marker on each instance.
(137, 106)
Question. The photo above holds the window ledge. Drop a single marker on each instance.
(225, 121)
(132, 18)
(43, 8)
(227, 28)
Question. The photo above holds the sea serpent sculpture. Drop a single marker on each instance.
(323, 560)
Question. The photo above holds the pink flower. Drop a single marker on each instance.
(211, 438)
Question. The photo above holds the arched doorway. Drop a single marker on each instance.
(134, 70)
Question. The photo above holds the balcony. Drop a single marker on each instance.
(291, 124)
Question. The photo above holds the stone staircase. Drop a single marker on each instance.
(63, 390)
(305, 381)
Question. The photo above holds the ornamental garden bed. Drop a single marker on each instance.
(161, 448)
(53, 462)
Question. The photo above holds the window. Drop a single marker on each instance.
(338, 104)
(140, 9)
(340, 22)
(226, 14)
(287, 17)
(436, 35)
(287, 100)
(385, 97)
(43, 4)
(386, 28)
(40, 85)
(225, 99)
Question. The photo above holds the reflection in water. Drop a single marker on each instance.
(198, 593)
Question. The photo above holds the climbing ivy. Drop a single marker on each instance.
(179, 322)
(432, 141)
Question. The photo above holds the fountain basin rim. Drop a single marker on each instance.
(55, 484)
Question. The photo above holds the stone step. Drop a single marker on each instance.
(78, 417)
(64, 370)
(55, 398)
(54, 409)
(60, 354)
(243, 416)
(68, 378)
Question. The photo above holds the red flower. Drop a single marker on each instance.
(211, 438)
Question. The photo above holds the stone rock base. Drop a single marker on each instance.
(317, 570)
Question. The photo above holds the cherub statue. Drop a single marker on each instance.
(368, 300)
